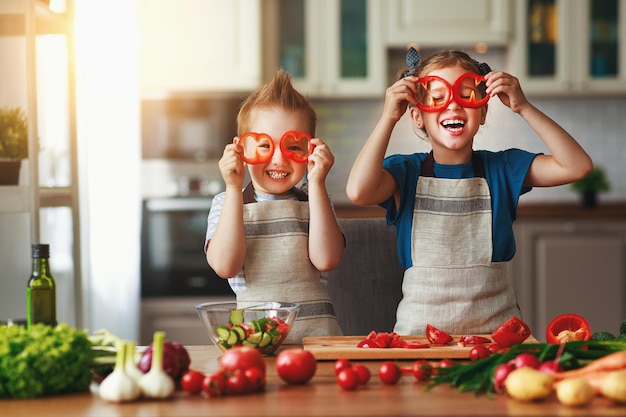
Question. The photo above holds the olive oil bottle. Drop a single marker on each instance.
(41, 290)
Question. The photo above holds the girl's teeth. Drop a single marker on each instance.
(277, 175)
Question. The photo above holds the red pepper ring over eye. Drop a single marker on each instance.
(435, 94)
(258, 148)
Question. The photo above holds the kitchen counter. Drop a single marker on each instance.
(612, 210)
(320, 397)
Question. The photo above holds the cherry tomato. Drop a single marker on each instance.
(341, 364)
(494, 348)
(348, 379)
(215, 384)
(238, 384)
(363, 373)
(568, 328)
(446, 363)
(191, 382)
(436, 336)
(479, 352)
(526, 359)
(511, 332)
(422, 370)
(241, 358)
(499, 375)
(256, 377)
(296, 365)
(389, 373)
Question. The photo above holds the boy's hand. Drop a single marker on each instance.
(231, 165)
(507, 88)
(320, 162)
(398, 97)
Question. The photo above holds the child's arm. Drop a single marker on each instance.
(369, 183)
(568, 161)
(326, 242)
(226, 250)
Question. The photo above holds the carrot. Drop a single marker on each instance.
(610, 362)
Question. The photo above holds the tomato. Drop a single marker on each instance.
(348, 379)
(238, 384)
(341, 364)
(191, 382)
(363, 373)
(499, 375)
(550, 367)
(422, 370)
(479, 352)
(296, 365)
(389, 373)
(511, 332)
(568, 328)
(241, 358)
(256, 377)
(215, 384)
(526, 359)
(436, 336)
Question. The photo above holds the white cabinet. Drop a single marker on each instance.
(331, 48)
(570, 47)
(576, 266)
(447, 23)
(200, 45)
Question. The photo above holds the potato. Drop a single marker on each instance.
(528, 384)
(574, 392)
(613, 386)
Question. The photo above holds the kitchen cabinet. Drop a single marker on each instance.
(331, 48)
(199, 45)
(570, 47)
(571, 265)
(37, 55)
(448, 23)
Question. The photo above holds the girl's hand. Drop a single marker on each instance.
(398, 97)
(320, 162)
(507, 88)
(232, 166)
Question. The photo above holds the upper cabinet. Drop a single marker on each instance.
(573, 46)
(444, 23)
(331, 48)
(200, 45)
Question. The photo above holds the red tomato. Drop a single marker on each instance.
(341, 364)
(550, 367)
(363, 372)
(422, 370)
(191, 382)
(215, 384)
(389, 373)
(238, 384)
(241, 358)
(526, 359)
(568, 328)
(479, 352)
(499, 375)
(436, 336)
(256, 377)
(348, 379)
(296, 365)
(511, 332)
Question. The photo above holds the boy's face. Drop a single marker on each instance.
(279, 174)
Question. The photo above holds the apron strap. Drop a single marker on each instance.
(249, 197)
(428, 166)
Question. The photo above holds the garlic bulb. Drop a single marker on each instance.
(157, 383)
(118, 386)
(130, 365)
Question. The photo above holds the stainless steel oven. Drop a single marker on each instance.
(172, 257)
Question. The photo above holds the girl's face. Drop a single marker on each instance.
(451, 130)
(279, 174)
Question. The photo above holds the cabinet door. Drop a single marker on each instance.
(196, 45)
(448, 23)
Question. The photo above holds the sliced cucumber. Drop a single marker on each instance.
(241, 333)
(266, 339)
(223, 332)
(233, 338)
(236, 316)
(255, 338)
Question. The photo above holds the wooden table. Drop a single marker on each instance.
(320, 397)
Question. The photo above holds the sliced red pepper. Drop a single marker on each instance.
(436, 336)
(511, 332)
(568, 327)
(473, 340)
(416, 345)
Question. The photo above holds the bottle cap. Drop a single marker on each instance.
(40, 250)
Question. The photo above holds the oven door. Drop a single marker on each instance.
(173, 263)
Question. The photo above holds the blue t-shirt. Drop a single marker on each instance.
(505, 172)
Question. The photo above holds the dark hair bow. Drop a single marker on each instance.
(483, 68)
(412, 61)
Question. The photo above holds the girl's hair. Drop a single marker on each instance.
(279, 92)
(446, 58)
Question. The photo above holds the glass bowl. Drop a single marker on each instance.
(263, 326)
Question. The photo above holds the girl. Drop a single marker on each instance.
(453, 208)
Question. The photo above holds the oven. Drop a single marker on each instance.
(172, 257)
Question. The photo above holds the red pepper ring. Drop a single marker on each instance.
(435, 94)
(258, 148)
(567, 328)
(296, 146)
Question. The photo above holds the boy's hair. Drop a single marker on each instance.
(277, 93)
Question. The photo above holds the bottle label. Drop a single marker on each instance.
(41, 304)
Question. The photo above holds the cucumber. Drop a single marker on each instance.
(236, 316)
(241, 333)
(276, 339)
(255, 338)
(266, 339)
(223, 332)
(233, 338)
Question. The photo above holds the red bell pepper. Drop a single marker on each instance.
(568, 327)
(436, 336)
(511, 332)
(473, 340)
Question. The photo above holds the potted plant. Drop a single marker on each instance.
(13, 143)
(591, 185)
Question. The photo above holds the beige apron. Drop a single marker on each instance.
(453, 285)
(277, 266)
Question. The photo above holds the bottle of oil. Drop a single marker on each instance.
(41, 289)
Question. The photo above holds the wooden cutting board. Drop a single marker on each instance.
(336, 347)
